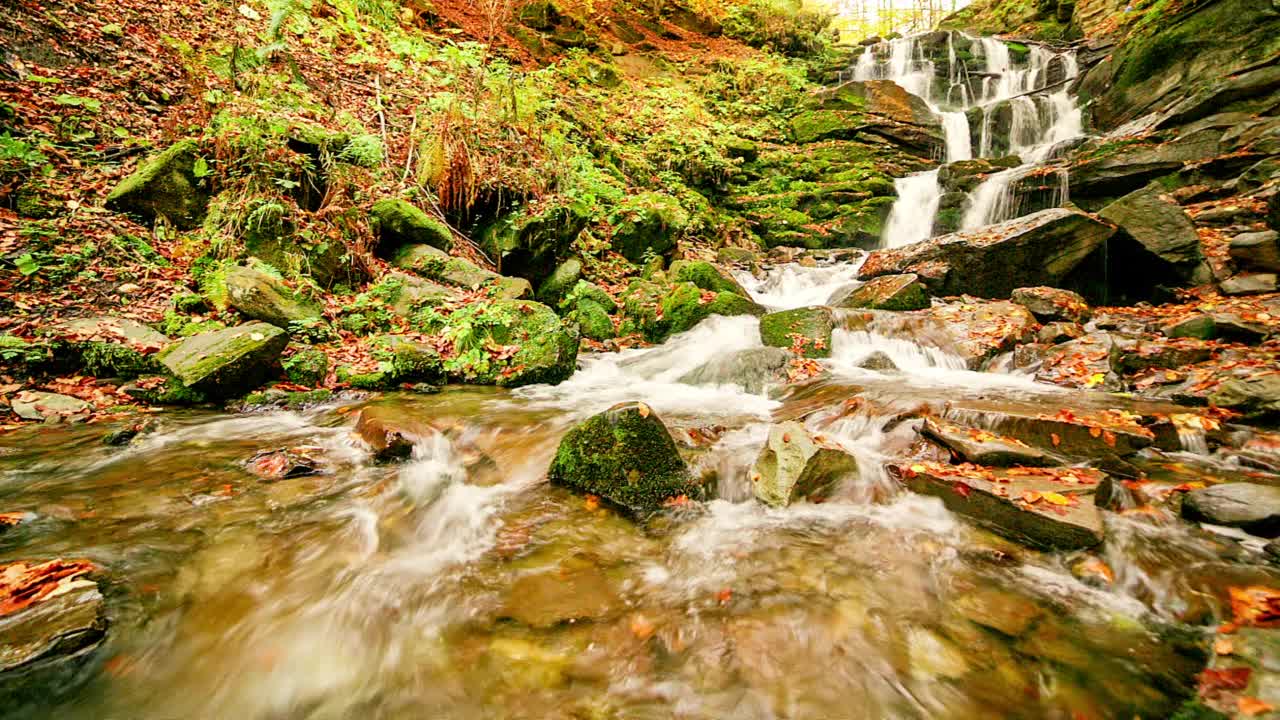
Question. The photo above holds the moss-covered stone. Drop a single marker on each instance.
(306, 367)
(25, 357)
(226, 363)
(285, 399)
(593, 320)
(435, 264)
(529, 245)
(647, 223)
(260, 296)
(658, 311)
(816, 125)
(812, 325)
(705, 276)
(510, 343)
(398, 222)
(561, 282)
(626, 456)
(890, 292)
(165, 185)
(106, 346)
(409, 361)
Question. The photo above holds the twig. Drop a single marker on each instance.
(382, 116)
(408, 158)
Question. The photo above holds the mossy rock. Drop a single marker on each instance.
(366, 380)
(813, 325)
(285, 399)
(545, 350)
(561, 282)
(398, 222)
(626, 456)
(705, 276)
(26, 357)
(648, 223)
(165, 185)
(107, 346)
(818, 125)
(226, 363)
(658, 311)
(889, 292)
(306, 367)
(269, 234)
(434, 264)
(260, 296)
(409, 361)
(584, 290)
(164, 390)
(593, 320)
(531, 245)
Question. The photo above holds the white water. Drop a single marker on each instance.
(911, 218)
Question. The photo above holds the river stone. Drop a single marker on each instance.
(112, 346)
(1256, 397)
(165, 186)
(260, 296)
(1230, 326)
(994, 501)
(1254, 284)
(435, 264)
(411, 292)
(546, 348)
(46, 648)
(1201, 327)
(814, 325)
(705, 276)
(1059, 332)
(398, 222)
(888, 292)
(47, 406)
(983, 447)
(410, 361)
(1076, 437)
(1049, 304)
(1251, 507)
(978, 331)
(1161, 227)
(753, 369)
(226, 363)
(659, 311)
(796, 465)
(999, 609)
(1257, 250)
(626, 456)
(576, 590)
(991, 262)
(560, 283)
(879, 362)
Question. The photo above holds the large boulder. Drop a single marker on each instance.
(165, 185)
(435, 264)
(108, 346)
(753, 369)
(706, 276)
(796, 465)
(874, 107)
(971, 329)
(807, 329)
(983, 446)
(560, 283)
(626, 456)
(1162, 228)
(398, 222)
(226, 363)
(888, 292)
(1039, 249)
(1049, 304)
(1251, 507)
(260, 296)
(647, 223)
(510, 343)
(1257, 250)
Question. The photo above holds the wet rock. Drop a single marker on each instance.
(796, 465)
(738, 256)
(165, 185)
(888, 292)
(306, 366)
(1255, 397)
(398, 222)
(999, 609)
(1114, 495)
(46, 647)
(1257, 250)
(1229, 326)
(1161, 227)
(977, 331)
(626, 456)
(872, 107)
(225, 363)
(753, 369)
(1077, 437)
(111, 346)
(1251, 507)
(435, 264)
(576, 590)
(705, 276)
(1041, 249)
(285, 463)
(1060, 332)
(1201, 327)
(983, 447)
(260, 296)
(1049, 304)
(879, 362)
(659, 311)
(1038, 510)
(1135, 354)
(1255, 284)
(387, 438)
(808, 328)
(49, 407)
(408, 361)
(1084, 362)
(1093, 571)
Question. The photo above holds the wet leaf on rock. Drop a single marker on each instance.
(24, 584)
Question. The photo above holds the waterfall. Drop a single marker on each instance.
(911, 219)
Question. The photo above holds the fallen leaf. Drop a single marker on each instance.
(1252, 706)
(1223, 646)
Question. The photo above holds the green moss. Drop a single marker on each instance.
(593, 320)
(398, 222)
(647, 223)
(509, 343)
(106, 359)
(307, 367)
(408, 361)
(292, 400)
(626, 456)
(705, 276)
(815, 125)
(164, 186)
(813, 325)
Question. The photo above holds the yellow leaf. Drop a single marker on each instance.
(1056, 498)
(1095, 379)
(643, 409)
(918, 468)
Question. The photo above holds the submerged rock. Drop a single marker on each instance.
(754, 369)
(226, 363)
(165, 185)
(796, 465)
(991, 262)
(626, 456)
(576, 590)
(888, 292)
(809, 328)
(1251, 507)
(259, 296)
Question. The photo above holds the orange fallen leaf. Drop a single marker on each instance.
(641, 627)
(643, 409)
(1223, 646)
(724, 596)
(592, 502)
(1056, 498)
(1056, 440)
(1252, 706)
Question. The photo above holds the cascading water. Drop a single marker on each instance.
(1020, 115)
